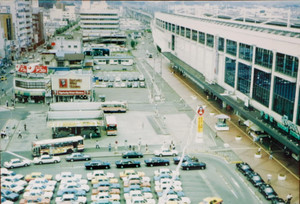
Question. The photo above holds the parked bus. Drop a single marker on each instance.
(114, 106)
(111, 125)
(57, 146)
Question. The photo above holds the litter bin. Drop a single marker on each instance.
(102, 98)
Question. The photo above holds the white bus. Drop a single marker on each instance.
(114, 106)
(57, 146)
(111, 125)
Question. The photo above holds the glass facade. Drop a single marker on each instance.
(244, 78)
(173, 28)
(221, 44)
(284, 97)
(246, 52)
(201, 38)
(287, 64)
(182, 31)
(177, 29)
(231, 47)
(188, 33)
(264, 57)
(261, 87)
(209, 40)
(229, 71)
(169, 26)
(194, 35)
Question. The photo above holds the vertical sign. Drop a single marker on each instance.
(199, 138)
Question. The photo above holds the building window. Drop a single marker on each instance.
(221, 44)
(69, 46)
(231, 47)
(244, 78)
(246, 52)
(30, 85)
(209, 40)
(287, 64)
(182, 31)
(284, 97)
(261, 87)
(188, 33)
(47, 62)
(201, 38)
(264, 57)
(194, 35)
(173, 28)
(229, 71)
(166, 25)
(177, 29)
(169, 26)
(75, 46)
(298, 114)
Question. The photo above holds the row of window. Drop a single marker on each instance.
(99, 14)
(100, 19)
(30, 85)
(100, 23)
(105, 28)
(285, 64)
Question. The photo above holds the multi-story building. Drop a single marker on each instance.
(38, 26)
(254, 63)
(6, 33)
(68, 43)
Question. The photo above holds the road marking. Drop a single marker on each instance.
(208, 184)
(232, 191)
(235, 182)
(9, 152)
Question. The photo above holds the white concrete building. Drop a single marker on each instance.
(68, 43)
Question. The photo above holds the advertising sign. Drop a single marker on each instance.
(63, 83)
(200, 124)
(31, 68)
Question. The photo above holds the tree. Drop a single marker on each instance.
(133, 44)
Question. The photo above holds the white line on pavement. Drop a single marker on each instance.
(9, 152)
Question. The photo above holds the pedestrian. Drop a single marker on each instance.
(261, 140)
(2, 133)
(129, 147)
(133, 148)
(147, 148)
(91, 134)
(36, 137)
(109, 147)
(170, 147)
(259, 149)
(289, 198)
(20, 135)
(25, 127)
(6, 103)
(173, 146)
(271, 155)
(97, 144)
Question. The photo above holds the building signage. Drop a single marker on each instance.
(71, 83)
(63, 83)
(71, 93)
(35, 68)
(74, 83)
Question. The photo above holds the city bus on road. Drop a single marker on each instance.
(57, 146)
(114, 106)
(111, 125)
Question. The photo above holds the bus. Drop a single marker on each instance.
(57, 146)
(111, 125)
(114, 106)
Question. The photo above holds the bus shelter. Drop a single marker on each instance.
(75, 106)
(222, 122)
(70, 123)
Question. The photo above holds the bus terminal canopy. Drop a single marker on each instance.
(75, 115)
(252, 126)
(74, 123)
(75, 106)
(222, 116)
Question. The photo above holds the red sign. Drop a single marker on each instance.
(200, 111)
(21, 68)
(31, 68)
(63, 83)
(53, 43)
(71, 93)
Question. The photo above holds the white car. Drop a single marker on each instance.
(160, 188)
(166, 182)
(13, 163)
(38, 193)
(43, 181)
(67, 175)
(41, 187)
(5, 172)
(14, 180)
(71, 180)
(139, 200)
(46, 159)
(74, 185)
(12, 186)
(165, 171)
(96, 173)
(70, 198)
(106, 195)
(165, 152)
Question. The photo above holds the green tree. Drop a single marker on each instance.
(133, 44)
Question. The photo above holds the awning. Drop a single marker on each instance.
(75, 123)
(222, 116)
(252, 126)
(248, 123)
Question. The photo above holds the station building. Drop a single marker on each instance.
(251, 63)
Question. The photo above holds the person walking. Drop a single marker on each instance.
(91, 134)
(36, 137)
(20, 135)
(109, 147)
(97, 144)
(6, 103)
(289, 198)
(25, 127)
(147, 148)
(259, 150)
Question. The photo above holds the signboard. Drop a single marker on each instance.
(63, 83)
(71, 93)
(200, 124)
(71, 83)
(31, 68)
(200, 111)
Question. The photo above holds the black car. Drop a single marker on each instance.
(185, 158)
(267, 191)
(244, 168)
(78, 157)
(126, 163)
(97, 164)
(156, 161)
(277, 201)
(193, 165)
(255, 179)
(132, 154)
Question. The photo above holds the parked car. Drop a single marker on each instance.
(142, 84)
(96, 173)
(14, 163)
(41, 187)
(67, 175)
(9, 195)
(255, 179)
(110, 85)
(129, 84)
(14, 180)
(70, 198)
(193, 165)
(78, 157)
(5, 201)
(97, 164)
(42, 181)
(77, 192)
(185, 158)
(3, 78)
(277, 201)
(135, 84)
(12, 187)
(129, 172)
(76, 186)
(46, 159)
(127, 163)
(34, 199)
(156, 161)
(132, 154)
(39, 193)
(244, 168)
(165, 152)
(267, 191)
(35, 175)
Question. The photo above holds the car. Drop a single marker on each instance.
(132, 154)
(76, 180)
(118, 79)
(3, 78)
(165, 171)
(135, 84)
(123, 85)
(193, 165)
(35, 175)
(77, 192)
(76, 186)
(34, 199)
(156, 161)
(46, 159)
(129, 172)
(12, 71)
(255, 179)
(127, 163)
(42, 181)
(12, 186)
(165, 152)
(14, 163)
(99, 179)
(41, 187)
(244, 168)
(165, 176)
(171, 192)
(105, 195)
(105, 79)
(267, 191)
(129, 84)
(70, 198)
(3, 71)
(97, 164)
(96, 173)
(141, 78)
(14, 180)
(277, 200)
(110, 85)
(185, 158)
(78, 157)
(39, 193)
(5, 201)
(67, 175)
(117, 85)
(25, 61)
(9, 195)
(142, 84)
